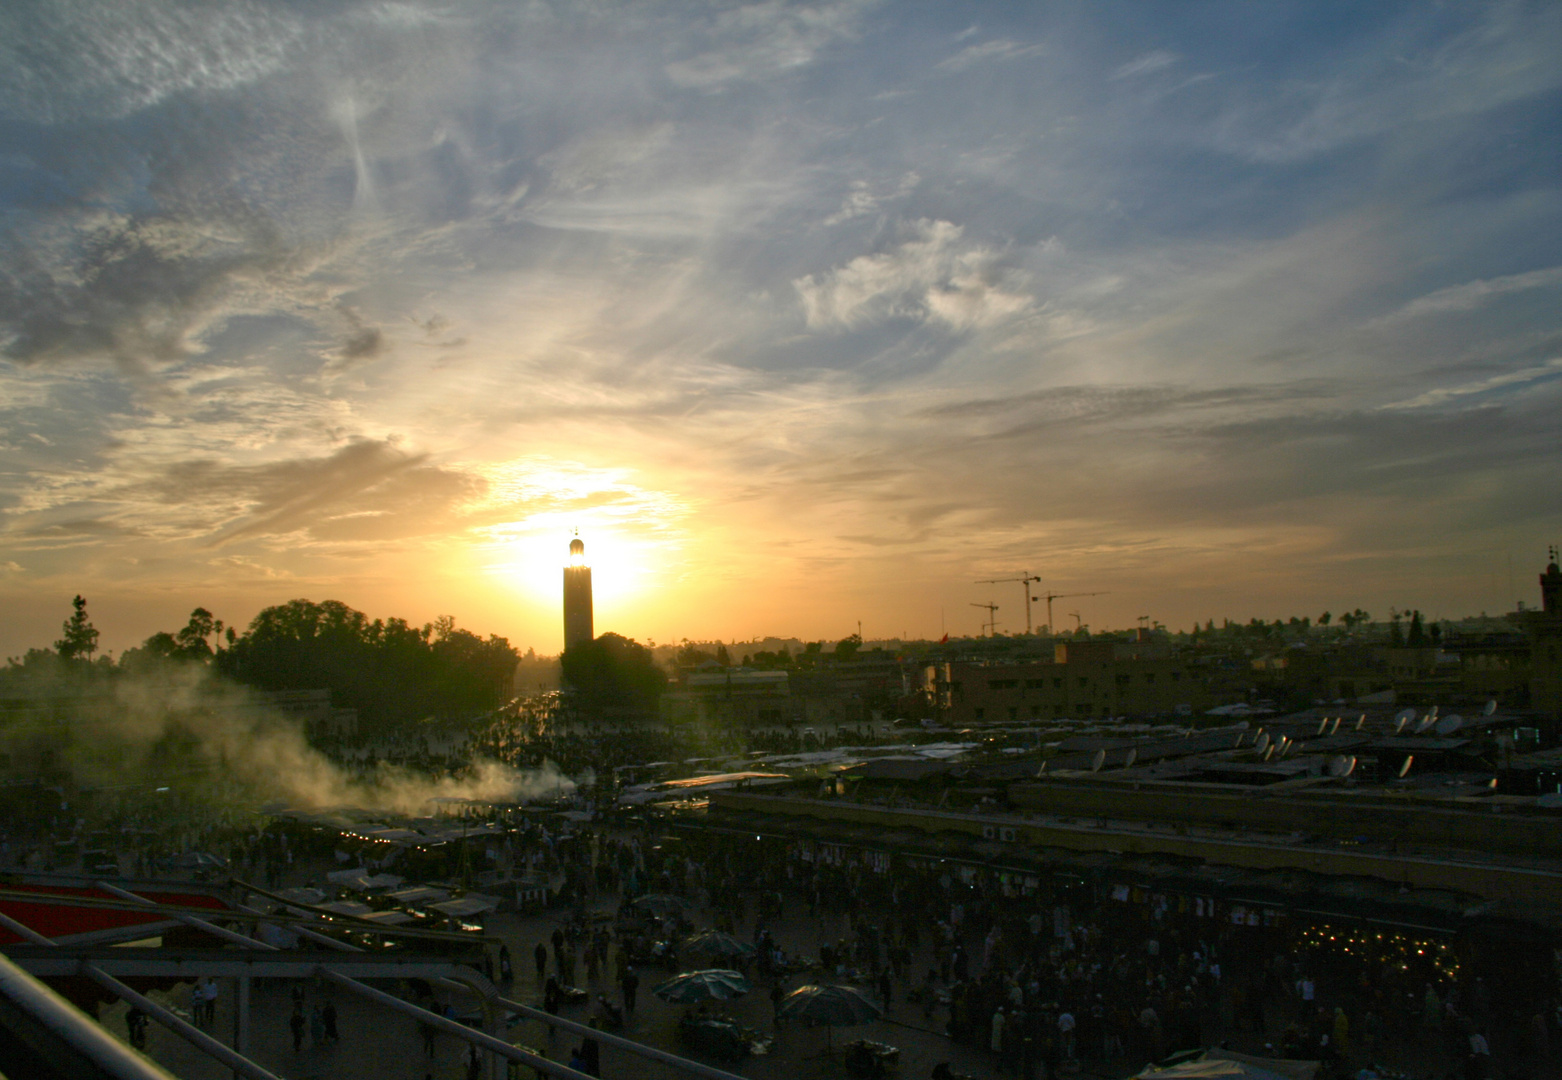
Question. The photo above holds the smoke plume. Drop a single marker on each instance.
(182, 720)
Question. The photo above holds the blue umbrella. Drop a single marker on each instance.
(692, 986)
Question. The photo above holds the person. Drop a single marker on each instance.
(1066, 1025)
(506, 972)
(631, 986)
(328, 1016)
(540, 954)
(591, 1052)
(995, 1043)
(135, 1026)
(296, 1023)
(474, 1064)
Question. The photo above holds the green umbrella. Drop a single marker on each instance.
(832, 1006)
(692, 986)
(717, 943)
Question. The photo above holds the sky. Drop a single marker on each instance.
(804, 315)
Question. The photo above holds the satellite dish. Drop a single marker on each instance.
(1450, 724)
(1269, 752)
(1433, 713)
(1399, 725)
(1426, 721)
(1041, 770)
(1361, 721)
(1262, 742)
(1404, 770)
(1335, 730)
(1404, 716)
(1489, 708)
(1340, 766)
(1241, 738)
(1098, 761)
(1133, 756)
(1322, 725)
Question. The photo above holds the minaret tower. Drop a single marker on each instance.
(577, 596)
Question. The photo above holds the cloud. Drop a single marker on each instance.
(753, 42)
(1443, 395)
(1146, 64)
(1470, 295)
(864, 199)
(988, 52)
(66, 61)
(930, 276)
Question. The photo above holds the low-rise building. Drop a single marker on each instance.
(1084, 679)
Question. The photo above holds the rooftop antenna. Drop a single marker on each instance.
(1340, 766)
(1450, 724)
(1489, 708)
(1051, 596)
(991, 625)
(1024, 581)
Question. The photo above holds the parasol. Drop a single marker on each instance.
(660, 904)
(717, 943)
(692, 986)
(833, 1006)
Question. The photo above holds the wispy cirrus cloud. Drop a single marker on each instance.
(1471, 294)
(996, 50)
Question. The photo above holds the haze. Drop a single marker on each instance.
(801, 314)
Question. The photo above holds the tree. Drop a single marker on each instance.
(723, 657)
(1416, 638)
(192, 639)
(1324, 619)
(613, 670)
(847, 647)
(389, 670)
(80, 638)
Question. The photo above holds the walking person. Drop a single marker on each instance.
(135, 1027)
(631, 987)
(296, 1024)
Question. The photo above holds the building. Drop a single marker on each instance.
(1544, 629)
(577, 597)
(1084, 679)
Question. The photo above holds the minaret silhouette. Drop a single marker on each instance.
(577, 596)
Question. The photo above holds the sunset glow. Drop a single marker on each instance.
(800, 315)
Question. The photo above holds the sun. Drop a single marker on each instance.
(629, 531)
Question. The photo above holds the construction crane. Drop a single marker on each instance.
(1051, 596)
(992, 618)
(1024, 583)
